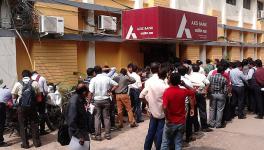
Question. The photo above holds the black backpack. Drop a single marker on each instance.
(28, 96)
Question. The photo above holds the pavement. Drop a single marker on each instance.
(247, 134)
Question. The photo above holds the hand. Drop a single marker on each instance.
(192, 112)
(81, 142)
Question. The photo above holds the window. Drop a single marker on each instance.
(260, 5)
(232, 2)
(246, 4)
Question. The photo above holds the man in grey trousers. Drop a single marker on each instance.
(218, 91)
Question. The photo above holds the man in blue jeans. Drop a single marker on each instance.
(174, 108)
(153, 91)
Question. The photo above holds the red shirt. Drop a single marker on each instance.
(174, 103)
(225, 74)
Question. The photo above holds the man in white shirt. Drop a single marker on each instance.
(41, 105)
(200, 83)
(152, 93)
(134, 91)
(101, 88)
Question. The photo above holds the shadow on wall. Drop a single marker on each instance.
(203, 148)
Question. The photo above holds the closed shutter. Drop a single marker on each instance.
(56, 60)
(249, 52)
(163, 3)
(214, 53)
(234, 53)
(261, 54)
(192, 52)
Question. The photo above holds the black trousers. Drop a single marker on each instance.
(41, 106)
(259, 100)
(28, 116)
(238, 94)
(112, 111)
(2, 121)
(201, 105)
(191, 121)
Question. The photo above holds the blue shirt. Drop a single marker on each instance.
(5, 95)
(237, 77)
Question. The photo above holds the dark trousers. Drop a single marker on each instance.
(102, 107)
(2, 121)
(112, 111)
(41, 106)
(136, 104)
(259, 100)
(28, 116)
(201, 104)
(238, 100)
(155, 131)
(190, 122)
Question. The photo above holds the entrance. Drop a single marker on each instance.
(158, 52)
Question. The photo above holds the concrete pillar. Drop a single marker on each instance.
(175, 4)
(202, 6)
(5, 15)
(223, 12)
(241, 53)
(240, 14)
(224, 52)
(138, 4)
(90, 57)
(177, 50)
(255, 53)
(254, 8)
(203, 54)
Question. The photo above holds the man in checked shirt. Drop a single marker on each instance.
(218, 91)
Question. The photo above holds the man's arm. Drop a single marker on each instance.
(191, 95)
(111, 72)
(143, 94)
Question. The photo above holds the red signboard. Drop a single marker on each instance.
(166, 23)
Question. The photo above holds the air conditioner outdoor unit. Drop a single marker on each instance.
(107, 23)
(51, 24)
(261, 14)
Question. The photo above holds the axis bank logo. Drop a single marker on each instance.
(131, 33)
(183, 29)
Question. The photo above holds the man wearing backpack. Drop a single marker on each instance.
(25, 94)
(41, 104)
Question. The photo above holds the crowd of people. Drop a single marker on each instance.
(174, 96)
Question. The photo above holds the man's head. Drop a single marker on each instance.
(123, 71)
(90, 72)
(98, 70)
(154, 67)
(34, 72)
(182, 70)
(130, 67)
(82, 89)
(221, 69)
(106, 69)
(258, 63)
(208, 61)
(216, 61)
(175, 79)
(26, 73)
(195, 68)
(199, 62)
(239, 65)
(163, 73)
(251, 63)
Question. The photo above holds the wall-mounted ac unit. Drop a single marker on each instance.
(261, 14)
(51, 24)
(107, 23)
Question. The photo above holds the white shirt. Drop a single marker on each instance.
(153, 92)
(138, 83)
(18, 87)
(42, 83)
(100, 85)
(198, 80)
(186, 81)
(202, 70)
